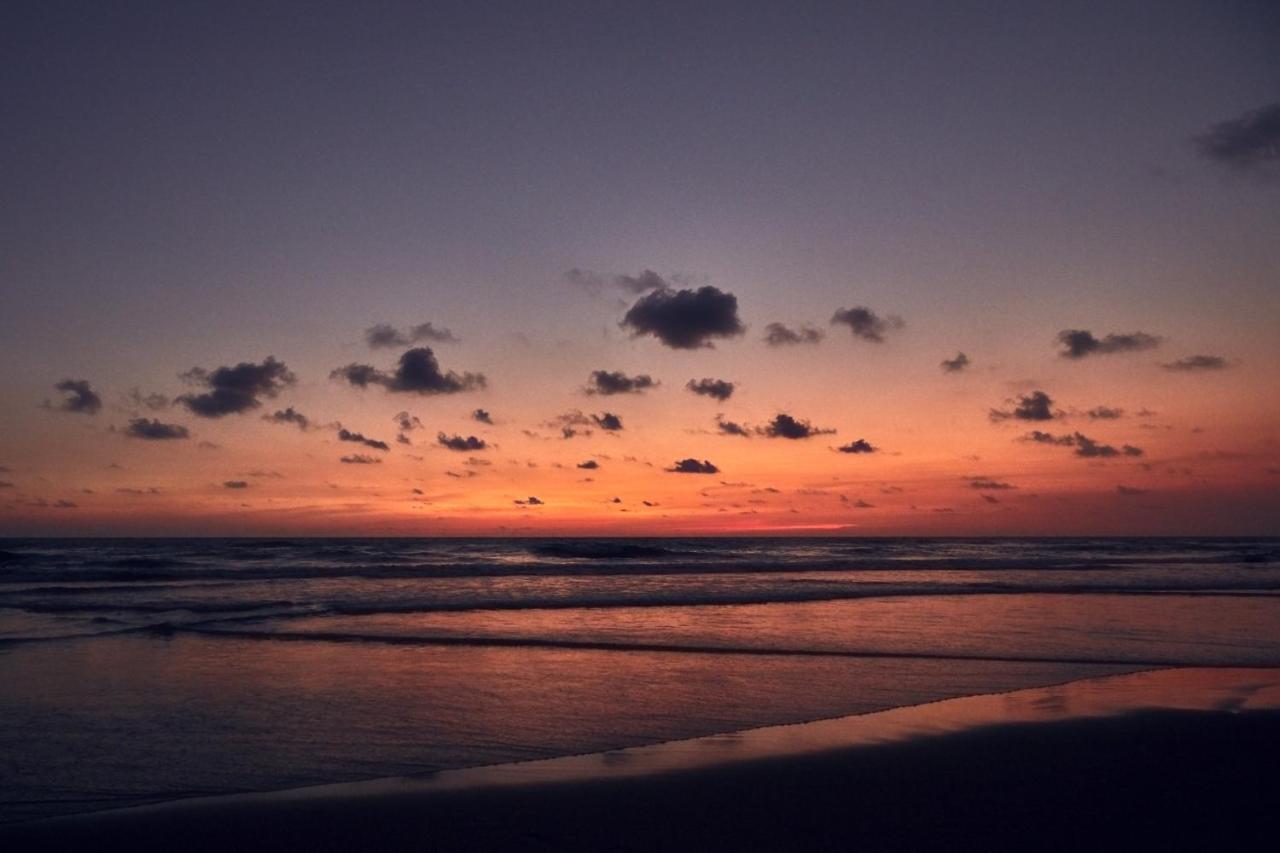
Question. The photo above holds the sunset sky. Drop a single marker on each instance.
(237, 239)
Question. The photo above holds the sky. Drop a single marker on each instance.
(462, 269)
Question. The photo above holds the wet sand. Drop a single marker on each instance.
(1180, 759)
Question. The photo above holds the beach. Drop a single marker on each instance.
(636, 694)
(1176, 759)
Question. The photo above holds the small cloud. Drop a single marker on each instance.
(1248, 144)
(607, 421)
(685, 319)
(383, 336)
(289, 416)
(955, 365)
(1105, 413)
(1131, 490)
(481, 416)
(595, 283)
(866, 324)
(607, 383)
(360, 459)
(1079, 343)
(64, 504)
(78, 397)
(780, 335)
(153, 430)
(154, 402)
(589, 465)
(459, 443)
(731, 427)
(716, 389)
(991, 499)
(235, 389)
(417, 372)
(357, 438)
(691, 466)
(859, 446)
(861, 504)
(1197, 362)
(1036, 406)
(786, 426)
(235, 484)
(530, 501)
(1085, 447)
(988, 484)
(574, 423)
(407, 422)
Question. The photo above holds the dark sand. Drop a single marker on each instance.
(1181, 760)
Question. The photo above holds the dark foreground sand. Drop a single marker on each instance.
(1081, 776)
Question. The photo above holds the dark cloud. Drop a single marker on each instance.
(1078, 343)
(861, 504)
(1048, 438)
(594, 282)
(1131, 490)
(731, 427)
(859, 446)
(607, 421)
(235, 484)
(1036, 406)
(589, 465)
(716, 389)
(1197, 362)
(407, 422)
(691, 466)
(481, 416)
(360, 459)
(574, 423)
(955, 365)
(607, 383)
(153, 430)
(1084, 446)
(531, 501)
(360, 375)
(991, 499)
(785, 426)
(383, 336)
(780, 335)
(357, 438)
(80, 398)
(459, 443)
(1091, 449)
(1250, 143)
(235, 389)
(418, 372)
(988, 484)
(289, 416)
(865, 324)
(685, 319)
(1105, 413)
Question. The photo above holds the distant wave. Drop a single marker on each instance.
(581, 565)
(600, 550)
(696, 648)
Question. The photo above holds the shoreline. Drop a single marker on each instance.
(1198, 713)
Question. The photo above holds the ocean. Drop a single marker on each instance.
(136, 671)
